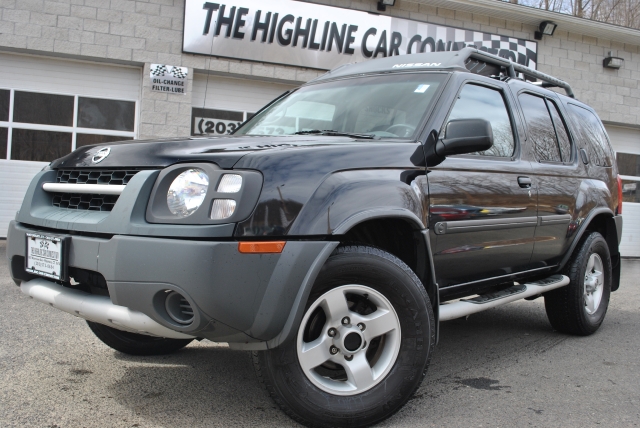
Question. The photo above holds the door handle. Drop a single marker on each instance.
(524, 182)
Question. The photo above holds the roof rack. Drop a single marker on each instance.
(514, 68)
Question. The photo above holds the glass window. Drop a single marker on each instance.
(480, 102)
(630, 191)
(41, 146)
(591, 132)
(44, 109)
(540, 128)
(561, 131)
(3, 142)
(628, 164)
(5, 95)
(390, 106)
(217, 122)
(100, 113)
(90, 139)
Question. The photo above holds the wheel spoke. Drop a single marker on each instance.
(358, 371)
(378, 323)
(590, 263)
(335, 307)
(589, 302)
(315, 353)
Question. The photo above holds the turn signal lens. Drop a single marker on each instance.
(230, 183)
(222, 208)
(261, 247)
(619, 210)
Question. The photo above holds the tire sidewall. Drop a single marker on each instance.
(413, 308)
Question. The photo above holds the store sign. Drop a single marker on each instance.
(317, 36)
(168, 78)
(208, 125)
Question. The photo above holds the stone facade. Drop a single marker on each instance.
(143, 32)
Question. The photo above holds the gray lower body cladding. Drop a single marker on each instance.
(237, 298)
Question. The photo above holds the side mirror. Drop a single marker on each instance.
(465, 136)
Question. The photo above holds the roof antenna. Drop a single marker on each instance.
(208, 70)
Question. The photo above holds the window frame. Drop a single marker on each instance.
(509, 107)
(563, 116)
(74, 130)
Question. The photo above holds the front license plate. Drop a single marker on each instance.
(45, 256)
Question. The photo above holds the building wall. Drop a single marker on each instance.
(145, 32)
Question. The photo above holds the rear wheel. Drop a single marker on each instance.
(580, 307)
(362, 348)
(136, 344)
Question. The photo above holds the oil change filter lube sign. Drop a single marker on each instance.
(168, 78)
(323, 37)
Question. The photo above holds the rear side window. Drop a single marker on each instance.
(480, 102)
(561, 131)
(540, 128)
(591, 133)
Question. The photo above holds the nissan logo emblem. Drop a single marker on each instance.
(100, 155)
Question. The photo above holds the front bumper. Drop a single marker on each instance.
(236, 298)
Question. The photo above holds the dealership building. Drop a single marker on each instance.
(80, 72)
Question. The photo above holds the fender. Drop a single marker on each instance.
(583, 227)
(350, 197)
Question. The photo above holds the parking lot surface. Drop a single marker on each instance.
(500, 368)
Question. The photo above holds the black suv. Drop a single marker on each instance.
(332, 232)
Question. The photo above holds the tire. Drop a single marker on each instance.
(578, 308)
(136, 344)
(381, 292)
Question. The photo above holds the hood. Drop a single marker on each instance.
(223, 151)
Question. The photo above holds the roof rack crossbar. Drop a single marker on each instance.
(513, 68)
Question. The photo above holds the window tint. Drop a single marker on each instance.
(89, 139)
(561, 131)
(41, 146)
(3, 142)
(479, 102)
(540, 129)
(106, 114)
(4, 104)
(44, 109)
(590, 132)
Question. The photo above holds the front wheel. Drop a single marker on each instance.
(362, 348)
(580, 307)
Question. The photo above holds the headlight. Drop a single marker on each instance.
(187, 192)
(222, 208)
(230, 183)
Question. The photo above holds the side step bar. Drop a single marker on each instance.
(96, 308)
(462, 308)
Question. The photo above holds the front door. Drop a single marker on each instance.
(482, 207)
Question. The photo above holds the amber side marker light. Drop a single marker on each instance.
(261, 247)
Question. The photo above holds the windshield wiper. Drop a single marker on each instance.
(335, 133)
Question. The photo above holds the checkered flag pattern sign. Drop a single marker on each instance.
(161, 70)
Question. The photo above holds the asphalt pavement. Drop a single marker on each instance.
(501, 368)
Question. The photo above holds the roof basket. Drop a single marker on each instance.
(546, 81)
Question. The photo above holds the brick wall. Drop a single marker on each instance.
(145, 32)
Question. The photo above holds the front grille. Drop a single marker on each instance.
(84, 201)
(90, 201)
(104, 176)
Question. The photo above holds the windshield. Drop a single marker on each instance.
(389, 106)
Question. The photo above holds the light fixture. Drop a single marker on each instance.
(611, 61)
(382, 4)
(547, 28)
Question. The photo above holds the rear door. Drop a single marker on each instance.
(482, 209)
(557, 174)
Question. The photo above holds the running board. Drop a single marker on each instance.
(462, 308)
(95, 308)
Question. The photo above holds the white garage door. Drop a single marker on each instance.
(221, 103)
(48, 107)
(626, 143)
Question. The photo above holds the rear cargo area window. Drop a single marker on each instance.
(591, 134)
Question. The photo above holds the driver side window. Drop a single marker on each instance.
(480, 102)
